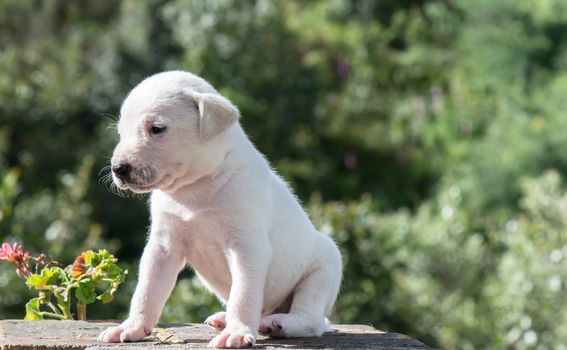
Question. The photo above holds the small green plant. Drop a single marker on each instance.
(93, 276)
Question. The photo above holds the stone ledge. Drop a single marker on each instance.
(79, 335)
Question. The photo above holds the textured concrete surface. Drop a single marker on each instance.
(71, 335)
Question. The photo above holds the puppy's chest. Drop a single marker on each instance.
(201, 235)
(196, 224)
(199, 227)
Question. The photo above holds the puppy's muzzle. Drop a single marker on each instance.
(122, 171)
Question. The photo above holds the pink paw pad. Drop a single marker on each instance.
(272, 330)
(217, 321)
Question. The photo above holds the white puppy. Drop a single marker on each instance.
(217, 206)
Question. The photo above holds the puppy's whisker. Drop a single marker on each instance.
(112, 119)
(138, 195)
(111, 186)
(107, 180)
(106, 177)
(104, 168)
(115, 190)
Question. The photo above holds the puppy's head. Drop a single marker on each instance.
(172, 127)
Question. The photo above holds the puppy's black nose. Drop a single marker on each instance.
(121, 170)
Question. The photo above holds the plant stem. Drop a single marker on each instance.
(63, 303)
(82, 311)
(54, 308)
(45, 297)
(52, 315)
(67, 314)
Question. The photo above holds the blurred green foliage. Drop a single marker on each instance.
(427, 137)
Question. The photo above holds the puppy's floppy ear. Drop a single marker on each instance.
(216, 114)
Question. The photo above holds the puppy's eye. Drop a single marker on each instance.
(157, 129)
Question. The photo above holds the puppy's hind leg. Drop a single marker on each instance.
(312, 299)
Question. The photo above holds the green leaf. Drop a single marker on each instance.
(85, 292)
(47, 279)
(35, 281)
(92, 258)
(106, 297)
(67, 273)
(32, 310)
(112, 270)
(53, 275)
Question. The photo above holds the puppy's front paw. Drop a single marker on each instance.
(240, 338)
(125, 332)
(217, 321)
